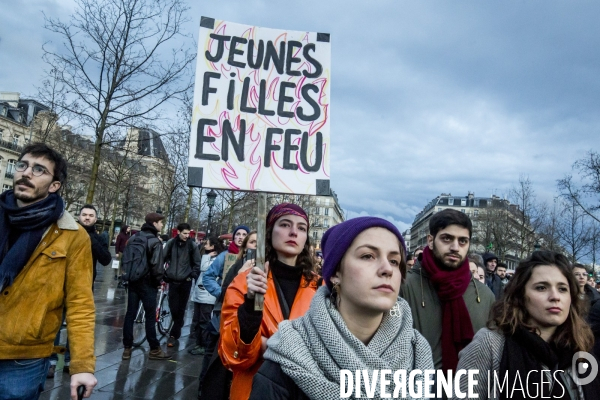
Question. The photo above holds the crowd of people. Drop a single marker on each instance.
(362, 302)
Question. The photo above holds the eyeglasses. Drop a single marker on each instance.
(581, 275)
(36, 170)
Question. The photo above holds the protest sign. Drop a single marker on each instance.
(261, 110)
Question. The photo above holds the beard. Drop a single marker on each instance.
(439, 258)
(30, 197)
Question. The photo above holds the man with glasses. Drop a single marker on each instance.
(45, 259)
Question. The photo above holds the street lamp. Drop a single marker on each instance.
(210, 200)
(158, 210)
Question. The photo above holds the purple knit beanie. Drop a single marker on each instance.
(338, 239)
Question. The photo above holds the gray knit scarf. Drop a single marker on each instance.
(314, 348)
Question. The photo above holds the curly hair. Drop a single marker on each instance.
(509, 312)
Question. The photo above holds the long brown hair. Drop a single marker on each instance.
(244, 245)
(509, 312)
(304, 260)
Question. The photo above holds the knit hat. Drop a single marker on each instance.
(154, 217)
(240, 227)
(282, 209)
(338, 239)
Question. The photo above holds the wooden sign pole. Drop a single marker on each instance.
(261, 231)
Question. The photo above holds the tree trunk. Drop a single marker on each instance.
(96, 163)
(188, 204)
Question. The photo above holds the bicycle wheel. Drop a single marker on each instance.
(164, 319)
(139, 327)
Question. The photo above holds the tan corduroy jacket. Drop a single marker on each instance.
(57, 275)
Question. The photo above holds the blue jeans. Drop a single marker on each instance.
(23, 379)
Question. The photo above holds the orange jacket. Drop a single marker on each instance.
(245, 359)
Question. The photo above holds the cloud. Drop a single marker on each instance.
(427, 97)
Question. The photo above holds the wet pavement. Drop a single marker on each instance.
(139, 377)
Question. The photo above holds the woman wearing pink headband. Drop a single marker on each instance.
(288, 285)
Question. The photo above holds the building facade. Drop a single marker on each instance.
(495, 224)
(16, 131)
(134, 176)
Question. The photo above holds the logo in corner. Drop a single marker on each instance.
(587, 368)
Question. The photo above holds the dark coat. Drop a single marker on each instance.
(591, 294)
(183, 259)
(593, 318)
(155, 253)
(271, 383)
(99, 251)
(121, 240)
(494, 282)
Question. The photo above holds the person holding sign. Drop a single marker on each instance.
(356, 322)
(288, 284)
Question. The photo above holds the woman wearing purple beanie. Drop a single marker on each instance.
(356, 322)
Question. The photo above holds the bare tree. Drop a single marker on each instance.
(548, 233)
(574, 231)
(594, 244)
(587, 194)
(116, 67)
(528, 215)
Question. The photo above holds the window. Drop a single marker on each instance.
(315, 235)
(463, 202)
(327, 201)
(10, 169)
(476, 213)
(439, 208)
(15, 141)
(462, 210)
(326, 222)
(5, 188)
(451, 201)
(327, 211)
(476, 203)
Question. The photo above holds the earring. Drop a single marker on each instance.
(334, 297)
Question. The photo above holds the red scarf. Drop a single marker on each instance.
(233, 249)
(450, 285)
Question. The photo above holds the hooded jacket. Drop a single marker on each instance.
(199, 292)
(492, 280)
(426, 307)
(56, 276)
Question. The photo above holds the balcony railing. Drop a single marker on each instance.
(9, 175)
(10, 146)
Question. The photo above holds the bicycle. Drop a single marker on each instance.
(164, 319)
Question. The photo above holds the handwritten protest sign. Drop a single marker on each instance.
(261, 110)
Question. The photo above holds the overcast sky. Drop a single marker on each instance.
(427, 96)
